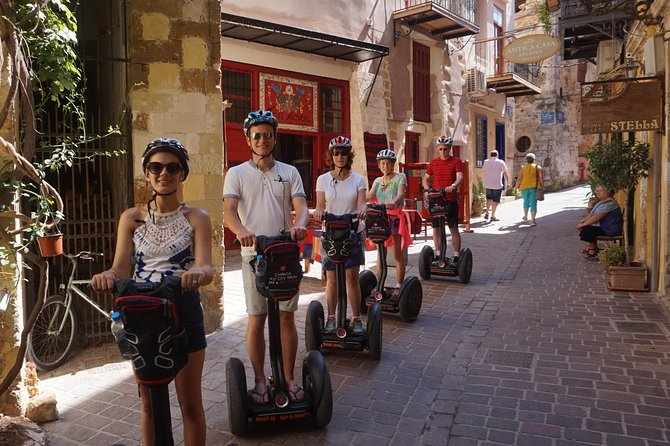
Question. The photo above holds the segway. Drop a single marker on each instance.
(338, 237)
(278, 275)
(408, 302)
(442, 266)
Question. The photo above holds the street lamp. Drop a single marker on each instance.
(630, 68)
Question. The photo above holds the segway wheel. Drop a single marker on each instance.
(317, 385)
(425, 259)
(368, 282)
(374, 329)
(411, 296)
(313, 325)
(465, 265)
(238, 404)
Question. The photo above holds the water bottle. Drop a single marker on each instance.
(261, 266)
(120, 336)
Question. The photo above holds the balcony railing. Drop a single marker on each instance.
(503, 76)
(465, 9)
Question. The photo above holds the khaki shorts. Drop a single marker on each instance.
(256, 302)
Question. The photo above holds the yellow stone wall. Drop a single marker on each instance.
(175, 55)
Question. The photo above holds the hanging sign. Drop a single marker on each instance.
(633, 105)
(532, 48)
(291, 100)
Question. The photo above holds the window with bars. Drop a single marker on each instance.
(481, 140)
(421, 82)
(332, 105)
(237, 88)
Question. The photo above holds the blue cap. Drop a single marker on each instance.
(116, 316)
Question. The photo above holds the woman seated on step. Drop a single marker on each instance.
(604, 219)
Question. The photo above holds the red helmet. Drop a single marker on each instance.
(340, 142)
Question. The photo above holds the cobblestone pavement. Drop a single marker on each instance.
(533, 351)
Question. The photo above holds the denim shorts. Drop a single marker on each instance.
(357, 257)
(193, 321)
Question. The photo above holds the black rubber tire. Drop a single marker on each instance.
(313, 326)
(236, 391)
(317, 385)
(465, 265)
(411, 296)
(368, 282)
(374, 330)
(425, 260)
(47, 349)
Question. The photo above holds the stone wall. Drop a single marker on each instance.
(557, 145)
(175, 53)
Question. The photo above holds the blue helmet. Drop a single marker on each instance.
(169, 145)
(260, 117)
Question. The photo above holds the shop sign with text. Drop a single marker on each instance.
(532, 48)
(291, 100)
(622, 106)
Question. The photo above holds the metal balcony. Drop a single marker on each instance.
(443, 19)
(503, 77)
(585, 23)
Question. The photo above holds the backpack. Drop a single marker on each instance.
(339, 237)
(437, 204)
(154, 341)
(377, 225)
(277, 267)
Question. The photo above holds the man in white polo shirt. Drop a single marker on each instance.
(494, 171)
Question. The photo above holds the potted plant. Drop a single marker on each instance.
(478, 197)
(622, 277)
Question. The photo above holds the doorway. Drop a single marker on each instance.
(298, 150)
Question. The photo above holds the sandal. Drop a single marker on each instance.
(296, 395)
(591, 253)
(260, 398)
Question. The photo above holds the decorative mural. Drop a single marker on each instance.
(293, 101)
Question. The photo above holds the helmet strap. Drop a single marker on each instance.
(261, 157)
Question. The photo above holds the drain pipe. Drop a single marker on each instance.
(655, 199)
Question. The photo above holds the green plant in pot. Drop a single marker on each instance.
(478, 197)
(612, 255)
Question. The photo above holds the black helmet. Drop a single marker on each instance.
(169, 145)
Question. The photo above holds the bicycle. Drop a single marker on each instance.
(52, 337)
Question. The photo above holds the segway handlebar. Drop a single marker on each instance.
(328, 216)
(434, 191)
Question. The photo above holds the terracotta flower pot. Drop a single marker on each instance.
(627, 278)
(50, 245)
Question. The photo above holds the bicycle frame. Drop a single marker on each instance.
(72, 288)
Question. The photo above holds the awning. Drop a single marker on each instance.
(282, 36)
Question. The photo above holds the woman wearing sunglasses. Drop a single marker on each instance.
(169, 237)
(340, 192)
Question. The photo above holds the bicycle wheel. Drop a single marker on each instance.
(48, 345)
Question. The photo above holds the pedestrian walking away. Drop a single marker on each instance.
(259, 196)
(173, 239)
(531, 178)
(495, 170)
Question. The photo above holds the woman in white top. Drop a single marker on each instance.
(339, 192)
(169, 238)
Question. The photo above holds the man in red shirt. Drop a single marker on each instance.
(446, 172)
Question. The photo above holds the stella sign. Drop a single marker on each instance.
(532, 48)
(622, 106)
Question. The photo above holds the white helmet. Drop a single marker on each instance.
(386, 154)
(444, 140)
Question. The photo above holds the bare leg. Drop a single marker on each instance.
(494, 206)
(437, 240)
(146, 420)
(189, 395)
(532, 216)
(289, 340)
(354, 290)
(455, 239)
(331, 292)
(256, 349)
(401, 265)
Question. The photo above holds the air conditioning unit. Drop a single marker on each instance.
(653, 56)
(608, 56)
(476, 81)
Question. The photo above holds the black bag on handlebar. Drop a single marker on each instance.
(437, 204)
(377, 225)
(152, 328)
(339, 237)
(277, 267)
